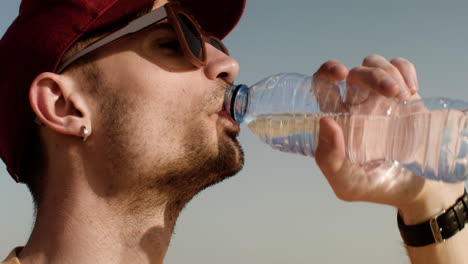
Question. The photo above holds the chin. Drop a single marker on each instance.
(201, 166)
(229, 162)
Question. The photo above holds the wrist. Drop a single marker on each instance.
(433, 200)
(438, 228)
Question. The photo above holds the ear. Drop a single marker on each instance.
(59, 104)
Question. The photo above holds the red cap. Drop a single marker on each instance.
(46, 29)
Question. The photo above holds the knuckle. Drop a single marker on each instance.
(371, 59)
(330, 63)
(377, 73)
(332, 69)
(325, 67)
(402, 63)
(399, 60)
(354, 71)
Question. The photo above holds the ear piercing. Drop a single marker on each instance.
(85, 133)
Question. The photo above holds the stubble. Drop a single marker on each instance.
(138, 184)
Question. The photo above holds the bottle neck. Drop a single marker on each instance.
(235, 102)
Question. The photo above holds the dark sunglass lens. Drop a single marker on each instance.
(191, 36)
(217, 44)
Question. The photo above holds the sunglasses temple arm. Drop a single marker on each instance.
(134, 26)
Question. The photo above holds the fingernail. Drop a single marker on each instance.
(413, 84)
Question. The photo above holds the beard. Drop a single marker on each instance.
(140, 182)
(200, 168)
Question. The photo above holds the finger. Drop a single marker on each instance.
(408, 72)
(382, 63)
(375, 79)
(330, 153)
(332, 70)
(356, 95)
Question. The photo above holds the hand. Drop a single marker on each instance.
(417, 199)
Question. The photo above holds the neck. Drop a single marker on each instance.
(74, 225)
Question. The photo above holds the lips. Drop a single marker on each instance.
(233, 125)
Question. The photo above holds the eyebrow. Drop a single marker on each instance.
(163, 24)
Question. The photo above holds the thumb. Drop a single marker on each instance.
(330, 153)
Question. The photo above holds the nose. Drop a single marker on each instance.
(220, 65)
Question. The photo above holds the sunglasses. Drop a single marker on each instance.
(191, 36)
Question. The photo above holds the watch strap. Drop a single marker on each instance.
(438, 228)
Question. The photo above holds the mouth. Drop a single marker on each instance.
(229, 121)
(224, 117)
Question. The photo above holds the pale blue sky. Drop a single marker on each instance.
(279, 209)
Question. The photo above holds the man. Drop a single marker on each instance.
(129, 127)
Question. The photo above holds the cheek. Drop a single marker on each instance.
(169, 106)
(166, 118)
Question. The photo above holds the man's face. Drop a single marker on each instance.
(157, 120)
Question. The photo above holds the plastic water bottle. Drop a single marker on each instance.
(429, 137)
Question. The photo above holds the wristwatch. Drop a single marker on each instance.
(438, 228)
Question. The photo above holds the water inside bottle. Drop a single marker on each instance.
(298, 133)
(432, 144)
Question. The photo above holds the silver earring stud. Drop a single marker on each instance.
(85, 133)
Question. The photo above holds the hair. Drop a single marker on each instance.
(34, 159)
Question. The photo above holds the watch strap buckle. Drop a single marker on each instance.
(436, 229)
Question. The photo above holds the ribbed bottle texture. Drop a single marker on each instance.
(428, 137)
